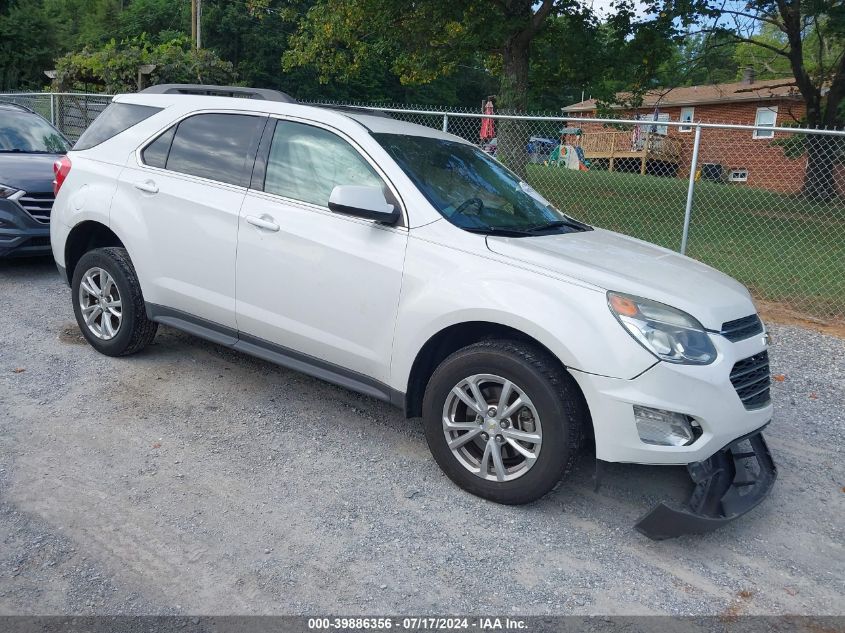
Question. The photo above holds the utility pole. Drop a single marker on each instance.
(199, 24)
(194, 23)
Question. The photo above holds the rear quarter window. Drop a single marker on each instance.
(155, 154)
(116, 118)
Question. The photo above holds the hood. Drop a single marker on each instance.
(31, 172)
(616, 262)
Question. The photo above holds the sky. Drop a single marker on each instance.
(604, 7)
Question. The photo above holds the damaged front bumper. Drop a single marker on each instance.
(728, 484)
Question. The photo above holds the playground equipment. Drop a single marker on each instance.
(569, 153)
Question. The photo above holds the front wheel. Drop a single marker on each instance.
(108, 303)
(503, 420)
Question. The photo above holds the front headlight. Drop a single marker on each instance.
(7, 192)
(668, 333)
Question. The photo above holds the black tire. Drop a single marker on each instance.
(136, 331)
(552, 390)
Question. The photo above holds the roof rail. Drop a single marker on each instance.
(220, 91)
(353, 109)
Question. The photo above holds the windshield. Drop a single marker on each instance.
(28, 133)
(472, 190)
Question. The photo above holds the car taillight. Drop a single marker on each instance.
(61, 168)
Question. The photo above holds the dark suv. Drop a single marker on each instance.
(29, 146)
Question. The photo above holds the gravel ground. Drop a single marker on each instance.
(192, 479)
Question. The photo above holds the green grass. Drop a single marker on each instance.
(784, 248)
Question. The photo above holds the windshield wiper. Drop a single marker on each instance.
(558, 224)
(492, 230)
(530, 231)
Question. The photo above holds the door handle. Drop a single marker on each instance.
(263, 223)
(146, 185)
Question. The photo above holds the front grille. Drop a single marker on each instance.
(750, 378)
(38, 205)
(740, 329)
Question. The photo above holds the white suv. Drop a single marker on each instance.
(405, 263)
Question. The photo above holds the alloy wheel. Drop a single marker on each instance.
(100, 303)
(492, 427)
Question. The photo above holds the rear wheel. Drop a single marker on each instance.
(503, 420)
(108, 303)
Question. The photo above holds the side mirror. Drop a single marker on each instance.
(363, 202)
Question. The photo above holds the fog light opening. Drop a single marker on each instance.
(665, 428)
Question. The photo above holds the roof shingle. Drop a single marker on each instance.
(712, 93)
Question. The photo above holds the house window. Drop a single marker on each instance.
(652, 125)
(766, 117)
(739, 175)
(663, 130)
(687, 116)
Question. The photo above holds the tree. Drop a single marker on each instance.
(807, 39)
(703, 58)
(114, 67)
(80, 23)
(431, 39)
(161, 20)
(23, 56)
(423, 40)
(253, 40)
(577, 55)
(567, 58)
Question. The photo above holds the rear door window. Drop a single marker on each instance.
(213, 146)
(116, 118)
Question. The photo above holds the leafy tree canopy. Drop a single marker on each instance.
(819, 54)
(542, 54)
(23, 57)
(114, 67)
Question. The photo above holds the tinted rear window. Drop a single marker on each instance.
(116, 118)
(214, 146)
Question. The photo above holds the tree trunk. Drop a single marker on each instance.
(513, 135)
(514, 89)
(823, 152)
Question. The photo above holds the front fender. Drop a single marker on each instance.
(442, 288)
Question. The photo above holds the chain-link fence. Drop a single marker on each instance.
(72, 113)
(763, 204)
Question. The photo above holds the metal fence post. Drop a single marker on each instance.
(445, 122)
(53, 108)
(691, 188)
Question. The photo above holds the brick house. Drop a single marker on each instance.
(741, 157)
